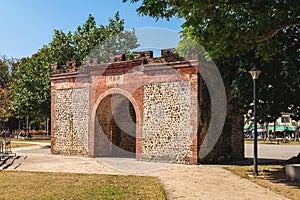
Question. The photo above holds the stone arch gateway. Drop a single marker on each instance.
(145, 108)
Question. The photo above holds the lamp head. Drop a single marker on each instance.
(255, 73)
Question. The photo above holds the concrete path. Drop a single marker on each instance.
(273, 151)
(180, 181)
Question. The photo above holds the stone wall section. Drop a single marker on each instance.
(71, 124)
(166, 135)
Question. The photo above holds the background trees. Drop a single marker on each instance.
(7, 66)
(91, 41)
(230, 27)
(30, 88)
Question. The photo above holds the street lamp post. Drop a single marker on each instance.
(255, 74)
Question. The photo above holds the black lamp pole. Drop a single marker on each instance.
(255, 74)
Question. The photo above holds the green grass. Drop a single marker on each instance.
(20, 144)
(41, 185)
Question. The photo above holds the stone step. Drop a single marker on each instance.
(293, 172)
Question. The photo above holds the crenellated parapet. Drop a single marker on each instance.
(144, 57)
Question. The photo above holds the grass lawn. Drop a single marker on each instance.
(271, 177)
(20, 144)
(41, 185)
(25, 143)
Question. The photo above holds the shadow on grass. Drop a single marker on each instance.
(272, 170)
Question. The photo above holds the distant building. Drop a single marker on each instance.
(286, 120)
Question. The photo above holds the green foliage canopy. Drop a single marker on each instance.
(228, 27)
(30, 87)
(91, 41)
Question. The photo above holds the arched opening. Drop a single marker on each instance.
(115, 128)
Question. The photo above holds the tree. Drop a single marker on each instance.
(6, 68)
(92, 41)
(240, 35)
(121, 43)
(30, 88)
(30, 85)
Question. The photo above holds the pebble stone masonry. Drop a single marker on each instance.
(145, 108)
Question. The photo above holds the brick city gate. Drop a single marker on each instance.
(144, 108)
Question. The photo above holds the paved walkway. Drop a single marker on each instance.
(273, 151)
(180, 181)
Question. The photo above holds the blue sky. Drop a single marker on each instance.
(27, 25)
